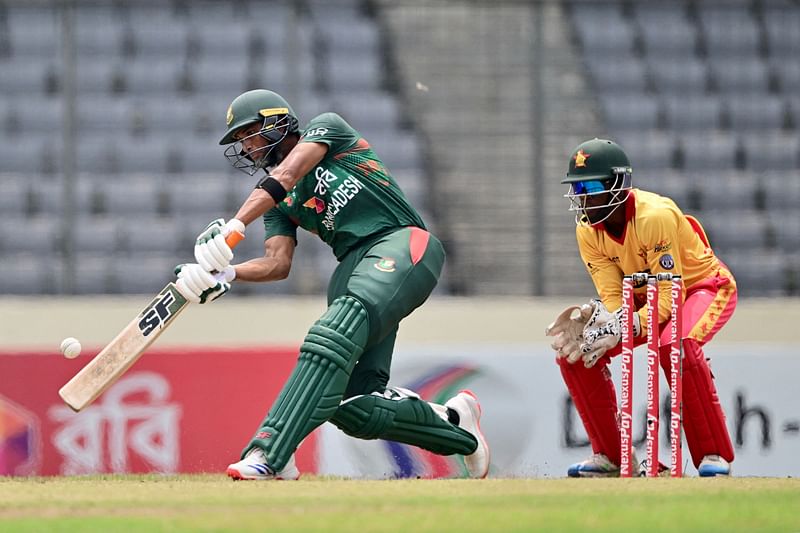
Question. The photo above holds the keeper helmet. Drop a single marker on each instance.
(597, 167)
(277, 119)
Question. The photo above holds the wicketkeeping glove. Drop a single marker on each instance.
(602, 332)
(567, 330)
(199, 286)
(210, 249)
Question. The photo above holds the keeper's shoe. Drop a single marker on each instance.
(465, 403)
(598, 465)
(254, 467)
(714, 465)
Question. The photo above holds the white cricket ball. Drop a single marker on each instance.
(70, 347)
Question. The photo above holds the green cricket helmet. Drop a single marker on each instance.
(597, 167)
(277, 119)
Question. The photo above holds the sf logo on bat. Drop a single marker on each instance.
(155, 316)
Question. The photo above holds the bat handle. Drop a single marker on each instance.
(234, 238)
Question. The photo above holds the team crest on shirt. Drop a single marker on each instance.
(386, 264)
(666, 262)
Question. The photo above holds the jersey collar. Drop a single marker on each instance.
(630, 212)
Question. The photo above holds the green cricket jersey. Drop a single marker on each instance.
(348, 196)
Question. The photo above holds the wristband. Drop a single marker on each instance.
(273, 188)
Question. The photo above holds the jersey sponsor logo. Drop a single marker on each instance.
(315, 204)
(662, 246)
(386, 264)
(666, 262)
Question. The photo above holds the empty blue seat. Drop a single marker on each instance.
(627, 74)
(765, 112)
(27, 274)
(665, 29)
(759, 273)
(14, 193)
(709, 151)
(679, 76)
(148, 75)
(652, 151)
(145, 273)
(745, 231)
(782, 26)
(740, 75)
(33, 31)
(693, 113)
(632, 111)
(93, 274)
(368, 109)
(156, 234)
(725, 190)
(729, 31)
(781, 190)
(343, 74)
(97, 234)
(24, 76)
(37, 235)
(766, 151)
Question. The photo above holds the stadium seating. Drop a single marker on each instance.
(152, 82)
(704, 99)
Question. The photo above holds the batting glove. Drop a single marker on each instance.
(199, 286)
(210, 249)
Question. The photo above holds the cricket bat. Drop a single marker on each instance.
(126, 348)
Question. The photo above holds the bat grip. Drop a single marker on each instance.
(234, 238)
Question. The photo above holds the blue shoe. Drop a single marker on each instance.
(714, 465)
(597, 465)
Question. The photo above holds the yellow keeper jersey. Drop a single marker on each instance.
(658, 238)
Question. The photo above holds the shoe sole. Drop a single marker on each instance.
(480, 433)
(238, 476)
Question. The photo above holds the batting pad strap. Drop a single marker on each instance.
(273, 188)
(316, 386)
(402, 418)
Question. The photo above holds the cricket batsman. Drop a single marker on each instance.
(327, 179)
(620, 231)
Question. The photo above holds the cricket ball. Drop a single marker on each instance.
(70, 347)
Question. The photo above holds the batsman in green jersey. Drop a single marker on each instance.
(326, 179)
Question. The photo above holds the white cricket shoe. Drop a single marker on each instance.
(465, 403)
(254, 467)
(714, 465)
(599, 465)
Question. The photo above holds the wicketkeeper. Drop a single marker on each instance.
(621, 231)
(327, 179)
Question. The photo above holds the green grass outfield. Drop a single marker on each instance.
(214, 503)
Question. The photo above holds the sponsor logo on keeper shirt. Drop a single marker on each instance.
(662, 246)
(666, 262)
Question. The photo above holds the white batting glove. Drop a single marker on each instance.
(210, 250)
(199, 286)
(567, 330)
(602, 332)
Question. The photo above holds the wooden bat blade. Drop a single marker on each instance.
(124, 350)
